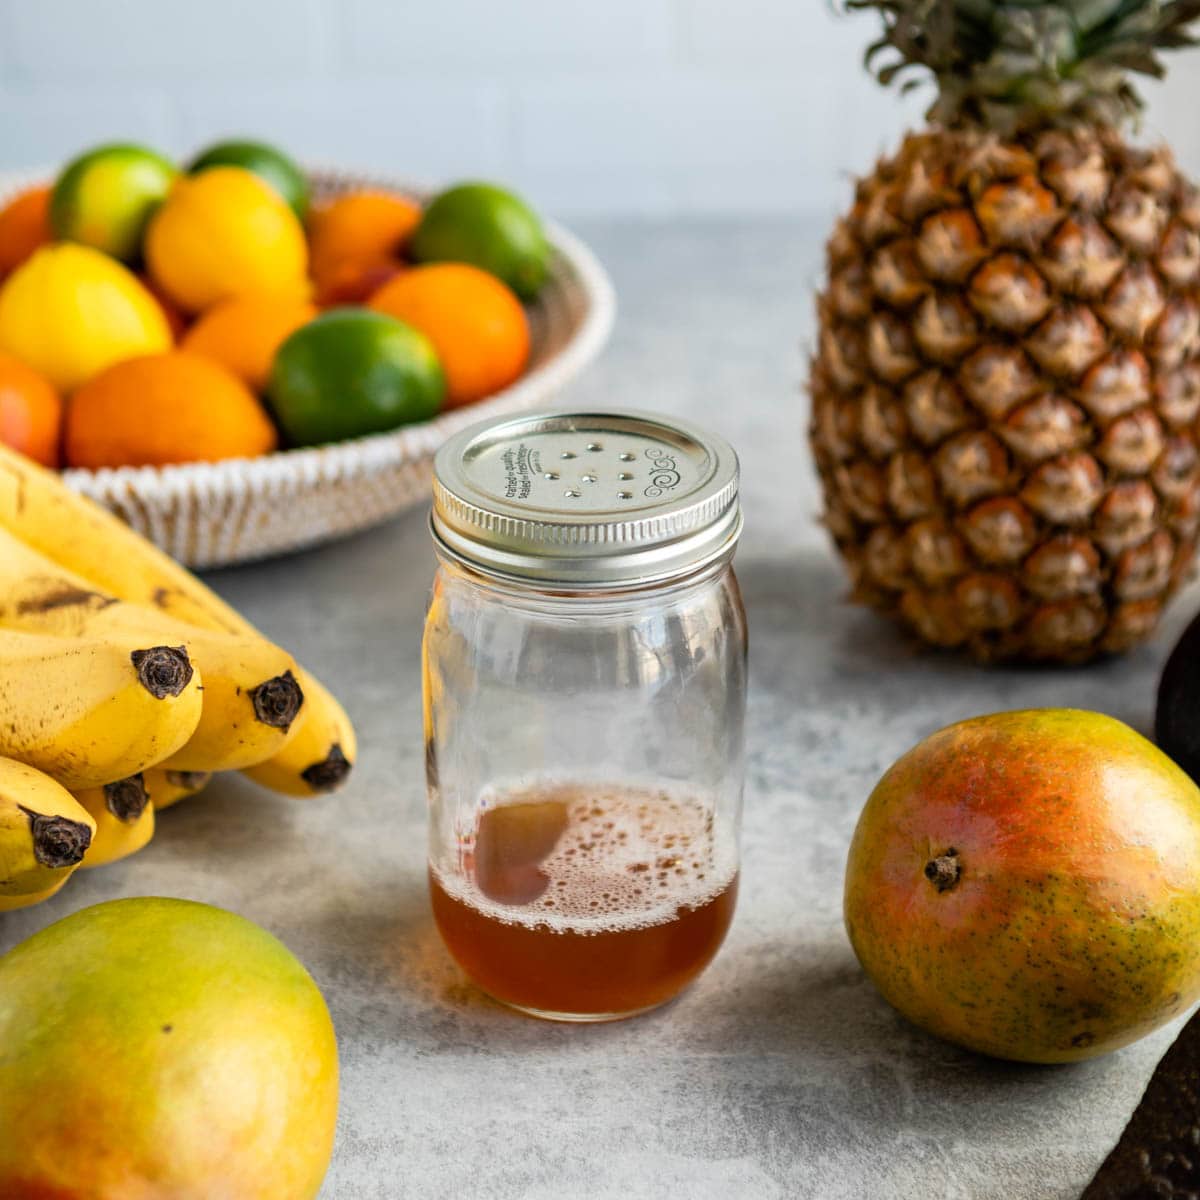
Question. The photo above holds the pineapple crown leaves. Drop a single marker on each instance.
(1013, 65)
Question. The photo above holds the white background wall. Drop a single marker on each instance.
(591, 106)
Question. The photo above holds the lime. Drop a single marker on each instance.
(486, 226)
(352, 372)
(272, 166)
(105, 197)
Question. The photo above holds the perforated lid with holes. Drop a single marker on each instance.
(587, 500)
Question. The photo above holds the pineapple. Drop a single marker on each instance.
(1006, 380)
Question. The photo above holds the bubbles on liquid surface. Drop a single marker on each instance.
(592, 860)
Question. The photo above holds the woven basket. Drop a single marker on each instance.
(215, 514)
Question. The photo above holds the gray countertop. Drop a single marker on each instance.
(781, 1073)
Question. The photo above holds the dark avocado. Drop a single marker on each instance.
(1158, 1156)
(1177, 715)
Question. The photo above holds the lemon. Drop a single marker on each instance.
(105, 197)
(224, 232)
(69, 312)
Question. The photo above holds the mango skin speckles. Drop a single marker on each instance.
(1072, 925)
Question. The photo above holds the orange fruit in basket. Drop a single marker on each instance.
(30, 412)
(243, 333)
(356, 232)
(165, 408)
(475, 322)
(224, 232)
(24, 226)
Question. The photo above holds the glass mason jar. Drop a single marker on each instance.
(585, 689)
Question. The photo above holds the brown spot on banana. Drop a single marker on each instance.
(163, 670)
(65, 597)
(57, 841)
(127, 798)
(277, 701)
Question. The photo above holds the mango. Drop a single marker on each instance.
(1027, 885)
(154, 1049)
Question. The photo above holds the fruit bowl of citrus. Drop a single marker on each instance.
(242, 357)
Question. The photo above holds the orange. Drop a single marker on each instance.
(165, 408)
(24, 226)
(221, 233)
(360, 230)
(30, 412)
(475, 322)
(243, 333)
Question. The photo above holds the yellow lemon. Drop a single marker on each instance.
(69, 312)
(222, 233)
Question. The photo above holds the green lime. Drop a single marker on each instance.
(488, 227)
(272, 166)
(352, 372)
(105, 197)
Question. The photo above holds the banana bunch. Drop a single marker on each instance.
(125, 683)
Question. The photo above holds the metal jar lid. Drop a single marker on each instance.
(586, 499)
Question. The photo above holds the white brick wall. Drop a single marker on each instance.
(621, 106)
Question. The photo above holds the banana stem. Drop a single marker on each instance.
(58, 841)
(163, 670)
(278, 700)
(326, 775)
(127, 798)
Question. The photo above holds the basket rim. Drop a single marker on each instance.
(408, 443)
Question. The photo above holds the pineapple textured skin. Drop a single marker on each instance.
(1005, 390)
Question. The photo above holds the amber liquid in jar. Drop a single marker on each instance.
(579, 902)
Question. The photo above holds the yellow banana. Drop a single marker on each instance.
(169, 787)
(85, 711)
(12, 903)
(251, 701)
(44, 832)
(87, 539)
(320, 756)
(124, 820)
(250, 694)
